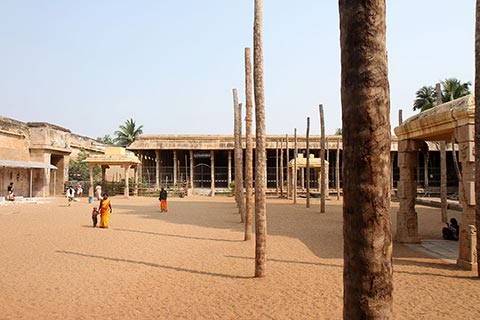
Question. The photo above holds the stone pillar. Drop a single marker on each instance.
(90, 189)
(302, 177)
(135, 183)
(127, 191)
(467, 239)
(157, 169)
(191, 170)
(212, 172)
(229, 168)
(425, 171)
(407, 220)
(104, 171)
(175, 168)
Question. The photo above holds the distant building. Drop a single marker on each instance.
(35, 156)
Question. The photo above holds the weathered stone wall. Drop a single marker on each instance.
(14, 140)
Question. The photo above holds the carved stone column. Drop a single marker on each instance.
(229, 168)
(175, 168)
(407, 220)
(467, 239)
(157, 169)
(135, 181)
(127, 191)
(191, 170)
(212, 174)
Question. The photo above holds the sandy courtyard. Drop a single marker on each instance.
(191, 263)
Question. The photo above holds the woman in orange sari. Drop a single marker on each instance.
(105, 210)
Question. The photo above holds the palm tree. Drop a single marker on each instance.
(425, 98)
(128, 133)
(454, 89)
(261, 151)
(365, 93)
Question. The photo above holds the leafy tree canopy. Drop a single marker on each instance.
(106, 139)
(338, 132)
(128, 133)
(452, 89)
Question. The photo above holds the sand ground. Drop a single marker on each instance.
(191, 263)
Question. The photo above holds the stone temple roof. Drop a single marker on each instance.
(439, 123)
(302, 162)
(113, 156)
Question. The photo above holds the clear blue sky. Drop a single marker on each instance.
(171, 64)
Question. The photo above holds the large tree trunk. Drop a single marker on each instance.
(238, 157)
(322, 159)
(261, 152)
(249, 146)
(308, 163)
(443, 166)
(368, 272)
(288, 167)
(477, 130)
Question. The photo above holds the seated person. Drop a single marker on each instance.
(452, 230)
(11, 194)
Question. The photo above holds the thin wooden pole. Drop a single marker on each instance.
(308, 162)
(322, 159)
(295, 154)
(281, 168)
(288, 168)
(277, 189)
(443, 166)
(249, 146)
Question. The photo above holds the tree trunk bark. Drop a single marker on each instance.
(249, 146)
(261, 154)
(368, 272)
(307, 169)
(477, 130)
(322, 159)
(277, 172)
(238, 157)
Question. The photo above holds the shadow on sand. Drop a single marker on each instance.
(154, 265)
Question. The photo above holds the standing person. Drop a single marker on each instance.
(98, 192)
(105, 210)
(163, 200)
(95, 213)
(11, 193)
(70, 195)
(79, 190)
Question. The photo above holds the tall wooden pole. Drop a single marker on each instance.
(277, 175)
(322, 159)
(249, 146)
(308, 162)
(443, 165)
(365, 92)
(477, 129)
(294, 178)
(288, 167)
(261, 153)
(281, 168)
(238, 157)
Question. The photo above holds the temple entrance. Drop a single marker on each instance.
(202, 175)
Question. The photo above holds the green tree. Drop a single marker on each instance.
(128, 133)
(425, 98)
(454, 89)
(79, 171)
(338, 132)
(106, 139)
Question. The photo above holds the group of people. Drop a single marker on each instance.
(70, 194)
(452, 230)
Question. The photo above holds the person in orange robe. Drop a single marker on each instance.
(163, 200)
(105, 210)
